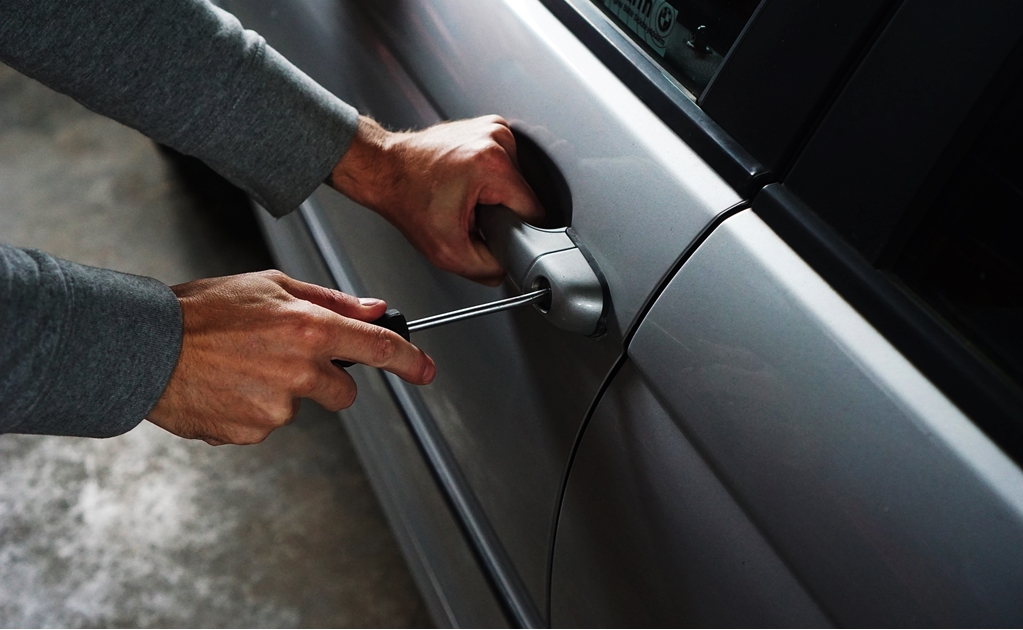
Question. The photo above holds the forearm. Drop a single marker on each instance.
(187, 75)
(83, 351)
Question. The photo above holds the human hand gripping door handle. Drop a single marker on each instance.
(536, 258)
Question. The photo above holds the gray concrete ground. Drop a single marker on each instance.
(147, 529)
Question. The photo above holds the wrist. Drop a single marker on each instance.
(366, 172)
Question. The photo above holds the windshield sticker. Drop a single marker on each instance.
(650, 19)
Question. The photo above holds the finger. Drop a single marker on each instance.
(486, 270)
(335, 389)
(511, 190)
(365, 309)
(495, 120)
(376, 346)
(502, 135)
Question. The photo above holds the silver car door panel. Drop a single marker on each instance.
(512, 390)
(650, 537)
(512, 596)
(476, 360)
(640, 195)
(886, 502)
(443, 565)
(510, 436)
(331, 54)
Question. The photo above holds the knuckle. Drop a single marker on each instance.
(342, 298)
(282, 417)
(277, 414)
(383, 346)
(274, 275)
(303, 382)
(494, 152)
(498, 131)
(307, 328)
(494, 158)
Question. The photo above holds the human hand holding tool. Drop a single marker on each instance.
(255, 344)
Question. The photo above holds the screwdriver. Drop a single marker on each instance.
(394, 320)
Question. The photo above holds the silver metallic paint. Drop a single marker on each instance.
(650, 537)
(510, 392)
(889, 505)
(437, 554)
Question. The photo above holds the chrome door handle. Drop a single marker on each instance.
(536, 258)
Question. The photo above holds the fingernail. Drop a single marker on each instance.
(429, 372)
(370, 302)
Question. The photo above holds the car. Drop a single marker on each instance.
(780, 378)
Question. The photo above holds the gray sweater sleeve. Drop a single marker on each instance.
(88, 352)
(186, 74)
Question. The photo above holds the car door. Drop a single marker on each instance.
(499, 423)
(819, 419)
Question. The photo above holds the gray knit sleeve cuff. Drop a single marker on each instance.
(93, 351)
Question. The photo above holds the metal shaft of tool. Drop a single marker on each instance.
(475, 311)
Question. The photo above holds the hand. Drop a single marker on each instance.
(427, 184)
(255, 344)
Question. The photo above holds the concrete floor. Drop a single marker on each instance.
(147, 529)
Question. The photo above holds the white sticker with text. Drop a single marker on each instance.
(652, 20)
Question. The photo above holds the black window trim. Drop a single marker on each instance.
(785, 69)
(694, 121)
(662, 95)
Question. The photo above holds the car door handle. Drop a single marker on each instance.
(537, 258)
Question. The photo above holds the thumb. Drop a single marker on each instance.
(485, 270)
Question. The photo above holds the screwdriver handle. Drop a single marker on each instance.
(392, 319)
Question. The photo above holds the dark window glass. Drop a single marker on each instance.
(966, 257)
(688, 37)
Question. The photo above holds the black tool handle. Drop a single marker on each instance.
(392, 319)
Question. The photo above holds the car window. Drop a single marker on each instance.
(689, 38)
(965, 257)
